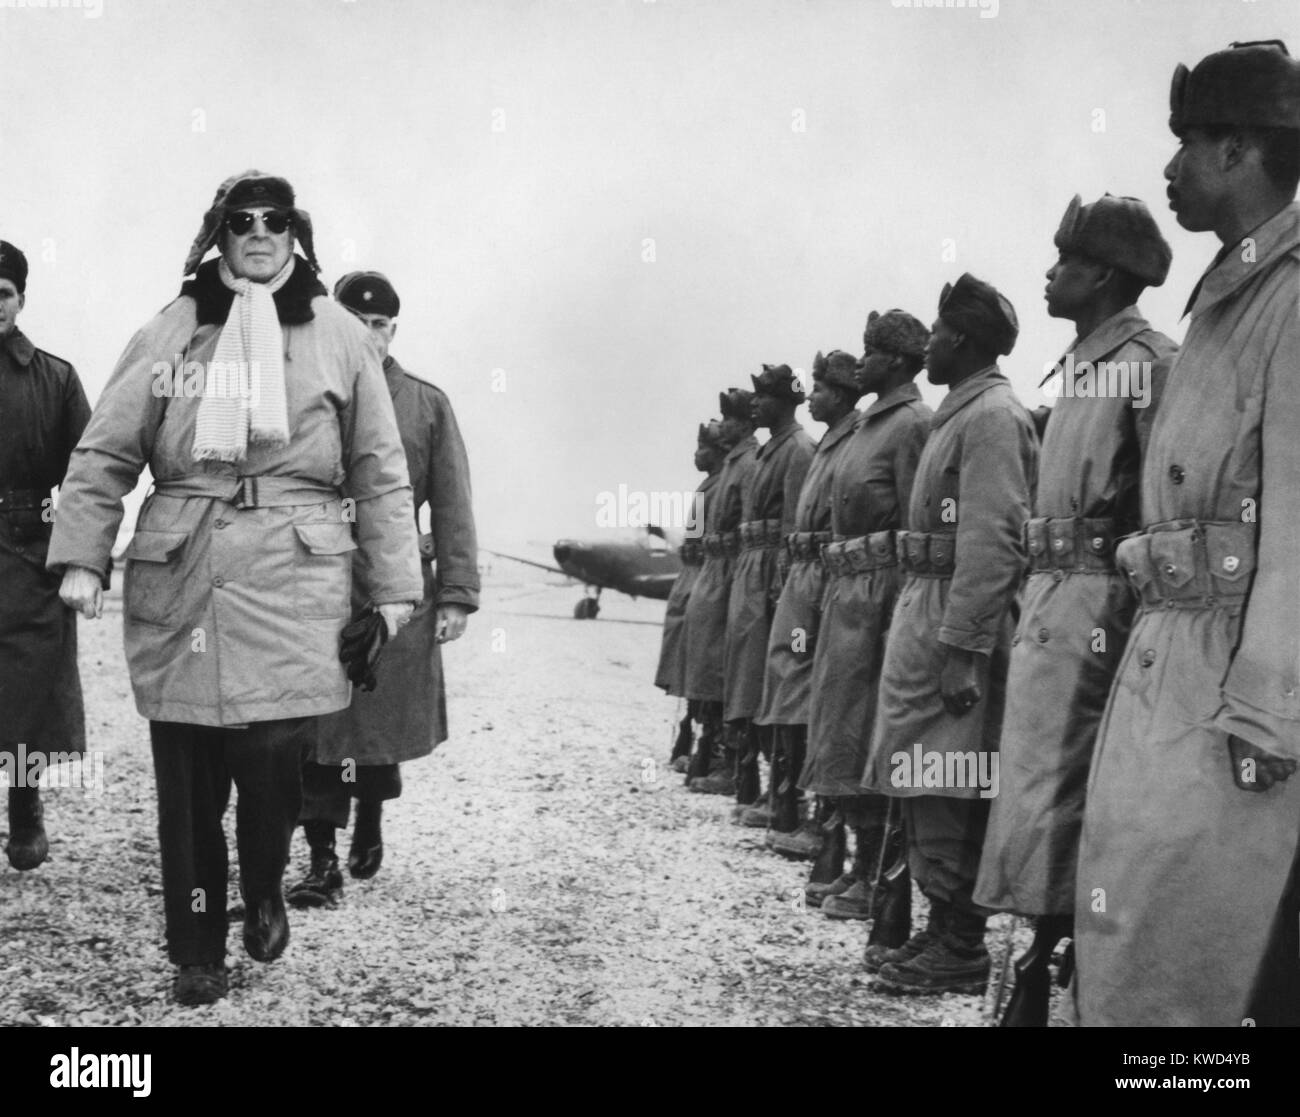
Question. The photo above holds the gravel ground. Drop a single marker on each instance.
(543, 867)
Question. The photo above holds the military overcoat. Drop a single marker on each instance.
(1180, 871)
(782, 463)
(405, 716)
(670, 675)
(1075, 613)
(972, 495)
(43, 411)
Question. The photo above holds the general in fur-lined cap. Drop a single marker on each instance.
(779, 382)
(979, 310)
(242, 191)
(710, 436)
(1250, 85)
(734, 404)
(13, 265)
(896, 332)
(1117, 231)
(838, 369)
(369, 292)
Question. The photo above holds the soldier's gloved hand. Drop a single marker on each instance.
(962, 679)
(82, 590)
(360, 643)
(396, 615)
(1256, 769)
(451, 621)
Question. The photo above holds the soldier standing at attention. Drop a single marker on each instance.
(358, 750)
(769, 516)
(1191, 823)
(869, 497)
(1076, 609)
(670, 676)
(43, 410)
(793, 638)
(942, 687)
(712, 770)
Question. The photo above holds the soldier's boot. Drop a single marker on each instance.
(954, 962)
(323, 884)
(880, 953)
(680, 758)
(1027, 1007)
(720, 779)
(28, 845)
(367, 851)
(856, 901)
(810, 838)
(828, 877)
(708, 743)
(759, 816)
(749, 782)
(786, 798)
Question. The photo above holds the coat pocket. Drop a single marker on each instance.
(152, 591)
(323, 574)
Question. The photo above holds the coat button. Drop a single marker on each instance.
(1058, 544)
(218, 582)
(219, 524)
(1043, 635)
(1058, 575)
(1230, 563)
(1148, 657)
(1176, 474)
(1169, 570)
(1098, 543)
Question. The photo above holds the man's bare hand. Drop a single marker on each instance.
(963, 680)
(83, 591)
(1256, 769)
(396, 616)
(451, 623)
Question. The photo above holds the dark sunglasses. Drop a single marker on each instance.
(275, 220)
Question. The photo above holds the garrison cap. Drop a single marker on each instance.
(896, 332)
(734, 404)
(977, 309)
(13, 265)
(839, 370)
(250, 188)
(779, 382)
(369, 292)
(1117, 231)
(1251, 85)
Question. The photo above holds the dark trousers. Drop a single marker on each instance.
(327, 792)
(945, 837)
(194, 766)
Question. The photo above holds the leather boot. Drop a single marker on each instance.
(266, 927)
(708, 743)
(879, 953)
(199, 985)
(856, 900)
(749, 783)
(956, 961)
(323, 884)
(761, 815)
(680, 758)
(367, 851)
(27, 846)
(1028, 1005)
(785, 793)
(828, 868)
(720, 779)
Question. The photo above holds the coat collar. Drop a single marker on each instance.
(769, 447)
(895, 397)
(1273, 239)
(19, 348)
(745, 445)
(1117, 330)
(212, 298)
(709, 481)
(970, 388)
(838, 433)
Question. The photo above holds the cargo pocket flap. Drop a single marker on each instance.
(1230, 550)
(155, 546)
(326, 539)
(1036, 536)
(1132, 558)
(1173, 557)
(1061, 535)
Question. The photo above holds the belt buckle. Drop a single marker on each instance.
(246, 494)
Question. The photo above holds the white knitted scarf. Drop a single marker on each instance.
(243, 395)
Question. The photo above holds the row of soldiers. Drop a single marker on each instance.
(1046, 663)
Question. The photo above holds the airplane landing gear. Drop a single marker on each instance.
(588, 608)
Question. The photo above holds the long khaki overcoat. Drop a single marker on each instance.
(670, 674)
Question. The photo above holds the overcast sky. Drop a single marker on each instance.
(624, 206)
